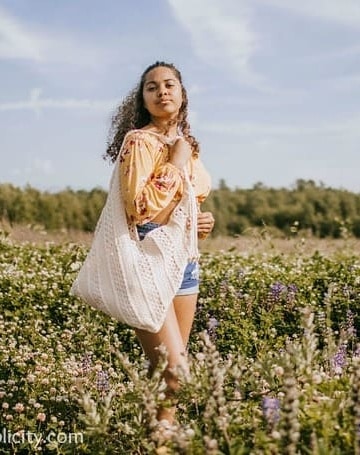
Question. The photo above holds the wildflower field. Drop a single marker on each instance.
(275, 365)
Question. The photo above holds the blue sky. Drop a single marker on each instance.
(274, 86)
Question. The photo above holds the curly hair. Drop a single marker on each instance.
(132, 114)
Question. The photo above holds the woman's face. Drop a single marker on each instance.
(162, 93)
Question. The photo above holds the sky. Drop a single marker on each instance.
(273, 86)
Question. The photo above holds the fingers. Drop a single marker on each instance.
(205, 222)
(205, 217)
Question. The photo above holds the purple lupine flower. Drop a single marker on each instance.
(271, 410)
(102, 381)
(338, 361)
(276, 290)
(86, 364)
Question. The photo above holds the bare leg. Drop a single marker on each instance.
(174, 335)
(185, 306)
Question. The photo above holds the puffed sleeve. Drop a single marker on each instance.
(147, 185)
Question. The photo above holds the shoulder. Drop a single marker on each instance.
(141, 135)
(140, 141)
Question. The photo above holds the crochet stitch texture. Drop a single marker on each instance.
(131, 280)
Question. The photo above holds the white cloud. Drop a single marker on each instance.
(221, 34)
(345, 12)
(16, 42)
(36, 104)
(22, 41)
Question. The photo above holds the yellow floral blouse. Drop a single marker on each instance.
(149, 182)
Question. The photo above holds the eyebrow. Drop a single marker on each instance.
(165, 80)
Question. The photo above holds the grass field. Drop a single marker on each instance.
(274, 354)
(253, 242)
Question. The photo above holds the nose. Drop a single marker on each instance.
(162, 91)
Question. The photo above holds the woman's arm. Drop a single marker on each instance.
(149, 190)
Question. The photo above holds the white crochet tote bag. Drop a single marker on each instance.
(131, 280)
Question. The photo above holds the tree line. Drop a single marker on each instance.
(320, 210)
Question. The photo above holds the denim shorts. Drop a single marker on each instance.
(190, 282)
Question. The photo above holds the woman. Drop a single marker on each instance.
(151, 132)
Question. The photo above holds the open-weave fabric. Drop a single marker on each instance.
(131, 280)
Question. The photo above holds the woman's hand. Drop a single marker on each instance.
(180, 153)
(205, 223)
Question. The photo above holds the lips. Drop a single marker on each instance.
(164, 101)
